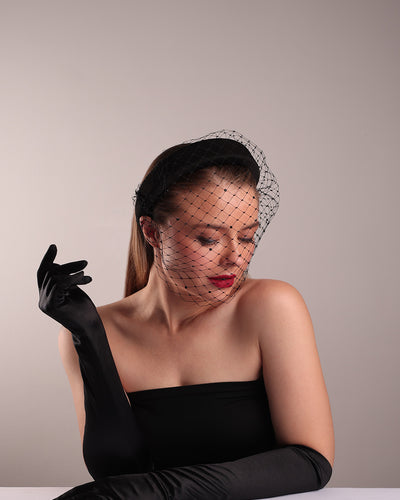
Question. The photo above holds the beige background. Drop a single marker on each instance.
(92, 91)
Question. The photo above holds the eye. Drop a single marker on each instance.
(206, 241)
(209, 241)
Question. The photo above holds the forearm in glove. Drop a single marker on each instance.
(113, 442)
(283, 471)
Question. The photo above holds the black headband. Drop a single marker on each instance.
(185, 160)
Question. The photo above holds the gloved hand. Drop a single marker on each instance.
(59, 296)
(113, 442)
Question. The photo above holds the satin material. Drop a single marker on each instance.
(204, 423)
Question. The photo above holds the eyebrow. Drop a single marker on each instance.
(219, 227)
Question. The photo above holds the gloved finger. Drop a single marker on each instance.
(47, 284)
(54, 293)
(78, 279)
(72, 267)
(46, 262)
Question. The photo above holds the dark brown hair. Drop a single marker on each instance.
(141, 254)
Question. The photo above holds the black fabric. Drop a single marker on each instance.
(113, 441)
(205, 443)
(292, 469)
(187, 158)
(204, 423)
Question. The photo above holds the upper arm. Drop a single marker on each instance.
(70, 360)
(293, 377)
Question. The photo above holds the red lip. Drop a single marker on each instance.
(224, 281)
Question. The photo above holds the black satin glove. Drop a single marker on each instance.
(113, 442)
(59, 296)
(284, 471)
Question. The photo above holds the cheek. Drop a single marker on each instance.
(197, 257)
(185, 254)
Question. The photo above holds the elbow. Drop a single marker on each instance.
(321, 465)
(324, 473)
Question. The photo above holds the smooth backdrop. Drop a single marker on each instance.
(92, 90)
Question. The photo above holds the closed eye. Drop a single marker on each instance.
(209, 241)
(206, 241)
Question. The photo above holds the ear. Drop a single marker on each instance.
(150, 231)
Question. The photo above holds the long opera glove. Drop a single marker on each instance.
(113, 442)
(283, 471)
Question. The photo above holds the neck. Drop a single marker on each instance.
(166, 308)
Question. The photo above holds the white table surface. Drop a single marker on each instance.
(49, 493)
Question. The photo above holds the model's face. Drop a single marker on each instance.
(211, 235)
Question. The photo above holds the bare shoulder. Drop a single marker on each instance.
(268, 299)
(65, 342)
(279, 313)
(292, 371)
(270, 287)
(114, 310)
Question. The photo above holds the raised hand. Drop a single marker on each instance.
(113, 441)
(59, 294)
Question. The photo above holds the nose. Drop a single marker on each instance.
(233, 253)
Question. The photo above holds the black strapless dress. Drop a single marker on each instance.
(204, 423)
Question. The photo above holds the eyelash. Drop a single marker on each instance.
(208, 241)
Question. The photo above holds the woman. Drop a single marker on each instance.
(201, 382)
